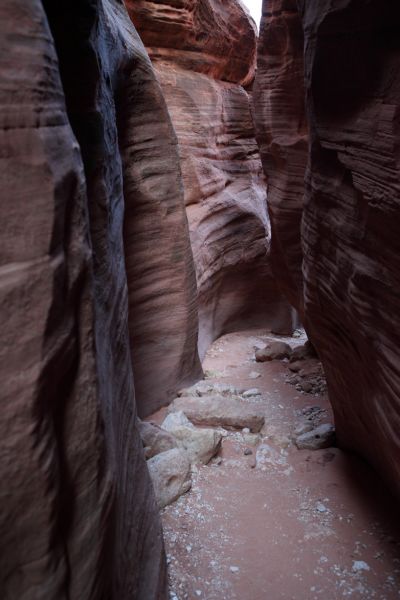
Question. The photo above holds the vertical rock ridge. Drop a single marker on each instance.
(282, 135)
(78, 517)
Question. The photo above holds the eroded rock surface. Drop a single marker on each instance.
(282, 135)
(349, 234)
(203, 53)
(170, 475)
(205, 36)
(78, 518)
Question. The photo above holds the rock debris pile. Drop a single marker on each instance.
(204, 414)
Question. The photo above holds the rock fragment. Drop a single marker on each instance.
(155, 440)
(205, 388)
(254, 375)
(303, 352)
(273, 351)
(360, 565)
(200, 445)
(322, 436)
(170, 475)
(220, 411)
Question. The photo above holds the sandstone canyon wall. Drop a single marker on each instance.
(282, 135)
(350, 220)
(204, 53)
(78, 519)
(163, 322)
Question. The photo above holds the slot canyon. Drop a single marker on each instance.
(200, 300)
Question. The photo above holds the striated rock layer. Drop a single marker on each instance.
(349, 234)
(213, 37)
(163, 323)
(203, 53)
(78, 519)
(282, 135)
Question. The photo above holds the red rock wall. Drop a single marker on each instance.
(163, 323)
(213, 37)
(281, 131)
(202, 53)
(162, 294)
(78, 519)
(349, 236)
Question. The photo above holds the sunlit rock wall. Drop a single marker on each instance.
(203, 54)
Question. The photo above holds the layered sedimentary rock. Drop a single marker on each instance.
(281, 132)
(350, 238)
(78, 519)
(203, 53)
(213, 37)
(163, 322)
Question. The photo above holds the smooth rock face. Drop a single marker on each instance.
(170, 475)
(163, 318)
(155, 440)
(78, 518)
(194, 49)
(351, 212)
(282, 135)
(220, 411)
(200, 445)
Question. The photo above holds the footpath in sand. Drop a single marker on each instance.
(266, 521)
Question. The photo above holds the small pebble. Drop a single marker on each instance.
(248, 451)
(234, 569)
(360, 565)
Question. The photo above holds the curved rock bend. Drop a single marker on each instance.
(224, 186)
(350, 240)
(78, 518)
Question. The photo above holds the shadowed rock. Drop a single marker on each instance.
(347, 62)
(78, 518)
(322, 436)
(155, 440)
(274, 351)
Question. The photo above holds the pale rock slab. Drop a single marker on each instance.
(170, 475)
(200, 445)
(220, 411)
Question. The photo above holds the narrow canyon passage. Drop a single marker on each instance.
(264, 520)
(173, 173)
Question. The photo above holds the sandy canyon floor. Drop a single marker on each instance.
(280, 523)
